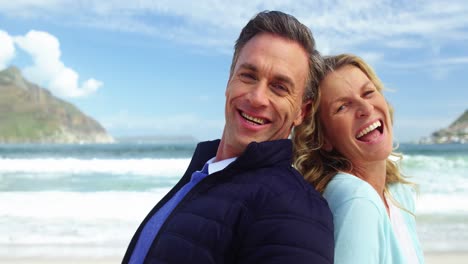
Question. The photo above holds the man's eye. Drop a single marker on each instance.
(248, 76)
(279, 87)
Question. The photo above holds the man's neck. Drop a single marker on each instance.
(225, 151)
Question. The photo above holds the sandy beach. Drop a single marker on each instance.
(431, 258)
(447, 258)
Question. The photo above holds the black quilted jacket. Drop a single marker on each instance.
(258, 209)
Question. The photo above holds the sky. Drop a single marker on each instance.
(160, 68)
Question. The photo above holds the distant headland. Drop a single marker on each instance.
(31, 114)
(457, 132)
(164, 139)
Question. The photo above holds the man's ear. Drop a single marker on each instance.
(305, 110)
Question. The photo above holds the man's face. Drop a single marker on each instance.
(264, 94)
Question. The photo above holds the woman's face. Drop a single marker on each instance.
(355, 117)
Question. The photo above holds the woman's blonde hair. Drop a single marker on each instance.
(317, 165)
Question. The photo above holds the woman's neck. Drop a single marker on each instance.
(375, 174)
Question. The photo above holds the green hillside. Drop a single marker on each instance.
(30, 114)
(462, 120)
(457, 132)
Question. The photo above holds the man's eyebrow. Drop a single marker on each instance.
(248, 66)
(278, 77)
(284, 79)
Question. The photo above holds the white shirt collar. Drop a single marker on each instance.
(218, 165)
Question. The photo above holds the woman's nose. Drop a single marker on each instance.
(364, 108)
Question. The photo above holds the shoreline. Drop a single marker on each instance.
(430, 258)
(60, 260)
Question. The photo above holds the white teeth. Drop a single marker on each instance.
(373, 126)
(253, 119)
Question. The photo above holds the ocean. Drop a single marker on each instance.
(88, 200)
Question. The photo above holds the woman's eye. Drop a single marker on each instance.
(369, 93)
(341, 108)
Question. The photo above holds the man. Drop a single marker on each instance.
(240, 200)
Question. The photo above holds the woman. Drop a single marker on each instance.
(343, 149)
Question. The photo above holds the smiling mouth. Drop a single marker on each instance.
(370, 131)
(252, 119)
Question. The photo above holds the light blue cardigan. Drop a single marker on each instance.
(363, 231)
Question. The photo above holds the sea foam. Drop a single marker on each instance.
(150, 167)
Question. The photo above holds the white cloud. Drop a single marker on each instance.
(7, 50)
(404, 44)
(338, 26)
(371, 57)
(453, 61)
(48, 69)
(32, 8)
(430, 64)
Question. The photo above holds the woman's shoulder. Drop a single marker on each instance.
(347, 189)
(403, 194)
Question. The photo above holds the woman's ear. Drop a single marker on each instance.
(304, 111)
(327, 146)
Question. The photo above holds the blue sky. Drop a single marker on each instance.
(161, 67)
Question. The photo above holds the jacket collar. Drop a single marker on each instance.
(256, 155)
(265, 154)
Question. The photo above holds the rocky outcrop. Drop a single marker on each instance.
(31, 114)
(457, 132)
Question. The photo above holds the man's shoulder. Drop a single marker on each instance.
(285, 194)
(204, 146)
(280, 179)
(283, 185)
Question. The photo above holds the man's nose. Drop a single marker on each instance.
(258, 96)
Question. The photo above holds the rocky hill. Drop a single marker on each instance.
(31, 114)
(457, 132)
